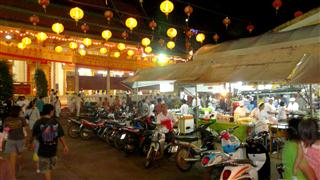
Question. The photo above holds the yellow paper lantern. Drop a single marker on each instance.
(21, 45)
(145, 41)
(121, 46)
(76, 13)
(103, 50)
(148, 49)
(154, 59)
(58, 49)
(87, 42)
(26, 41)
(200, 37)
(82, 52)
(172, 32)
(116, 54)
(130, 52)
(41, 36)
(171, 45)
(57, 28)
(166, 7)
(131, 23)
(106, 34)
(73, 45)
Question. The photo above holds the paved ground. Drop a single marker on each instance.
(95, 160)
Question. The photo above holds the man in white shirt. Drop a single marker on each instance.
(184, 109)
(269, 107)
(293, 105)
(241, 110)
(167, 121)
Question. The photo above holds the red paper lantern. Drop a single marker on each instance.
(44, 3)
(85, 27)
(188, 45)
(152, 25)
(216, 37)
(124, 35)
(34, 20)
(189, 34)
(298, 13)
(161, 42)
(250, 28)
(277, 4)
(108, 15)
(226, 21)
(188, 10)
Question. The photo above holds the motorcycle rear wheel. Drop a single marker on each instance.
(73, 131)
(180, 162)
(86, 134)
(150, 158)
(118, 143)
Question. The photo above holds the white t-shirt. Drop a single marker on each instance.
(262, 123)
(241, 111)
(184, 109)
(269, 107)
(293, 106)
(161, 118)
(282, 113)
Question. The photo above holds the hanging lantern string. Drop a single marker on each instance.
(163, 22)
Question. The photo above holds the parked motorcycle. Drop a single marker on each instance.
(89, 129)
(249, 160)
(159, 147)
(188, 153)
(138, 136)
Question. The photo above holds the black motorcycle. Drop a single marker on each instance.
(189, 151)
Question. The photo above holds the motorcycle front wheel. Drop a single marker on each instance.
(86, 134)
(73, 131)
(150, 158)
(181, 163)
(118, 142)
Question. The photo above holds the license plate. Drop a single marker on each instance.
(174, 149)
(123, 136)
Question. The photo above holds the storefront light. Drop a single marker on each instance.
(8, 37)
(26, 40)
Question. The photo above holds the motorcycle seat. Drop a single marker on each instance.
(187, 138)
(121, 124)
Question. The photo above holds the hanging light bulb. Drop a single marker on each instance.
(87, 42)
(58, 49)
(116, 54)
(148, 49)
(145, 41)
(21, 45)
(200, 37)
(130, 52)
(73, 45)
(106, 34)
(166, 7)
(82, 52)
(103, 50)
(57, 28)
(172, 32)
(121, 46)
(41, 36)
(131, 23)
(26, 41)
(76, 13)
(171, 45)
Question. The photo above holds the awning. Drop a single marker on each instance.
(287, 56)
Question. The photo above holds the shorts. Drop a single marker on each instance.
(47, 164)
(16, 146)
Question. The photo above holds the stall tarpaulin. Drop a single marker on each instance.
(308, 71)
(266, 58)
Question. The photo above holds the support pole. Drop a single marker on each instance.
(311, 101)
(108, 81)
(76, 80)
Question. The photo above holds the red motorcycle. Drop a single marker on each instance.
(89, 129)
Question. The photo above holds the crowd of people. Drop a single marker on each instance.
(33, 125)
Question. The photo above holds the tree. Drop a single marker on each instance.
(41, 83)
(6, 82)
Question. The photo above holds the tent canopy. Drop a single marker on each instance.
(286, 56)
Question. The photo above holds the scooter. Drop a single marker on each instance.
(159, 147)
(250, 160)
(188, 153)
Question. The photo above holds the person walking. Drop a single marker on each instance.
(39, 103)
(78, 101)
(57, 107)
(16, 137)
(48, 131)
(32, 114)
